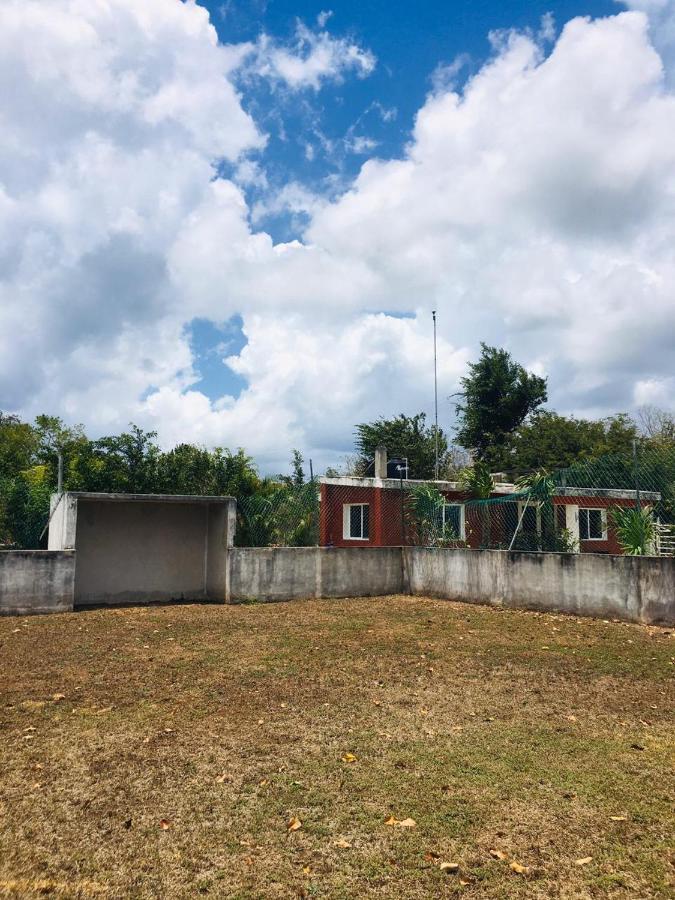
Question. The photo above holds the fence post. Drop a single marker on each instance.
(635, 475)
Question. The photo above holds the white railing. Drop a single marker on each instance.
(665, 539)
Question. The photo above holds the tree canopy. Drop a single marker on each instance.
(404, 436)
(550, 441)
(496, 397)
(130, 462)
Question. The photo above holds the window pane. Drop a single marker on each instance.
(595, 523)
(364, 531)
(355, 521)
(452, 517)
(583, 524)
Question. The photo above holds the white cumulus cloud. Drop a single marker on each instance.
(311, 59)
(533, 209)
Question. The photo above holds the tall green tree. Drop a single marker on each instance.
(496, 397)
(297, 476)
(404, 436)
(18, 445)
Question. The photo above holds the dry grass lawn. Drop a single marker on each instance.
(163, 752)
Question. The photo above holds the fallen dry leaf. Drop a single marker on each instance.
(57, 697)
(497, 854)
(349, 758)
(391, 821)
(221, 778)
(294, 823)
(306, 870)
(520, 870)
(164, 824)
(343, 844)
(618, 818)
(431, 855)
(407, 823)
(583, 861)
(449, 868)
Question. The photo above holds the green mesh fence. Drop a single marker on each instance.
(284, 515)
(614, 504)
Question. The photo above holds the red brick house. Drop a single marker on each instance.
(366, 512)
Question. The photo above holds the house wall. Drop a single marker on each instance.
(494, 528)
(611, 545)
(36, 581)
(385, 515)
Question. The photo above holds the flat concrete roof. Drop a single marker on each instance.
(147, 498)
(395, 483)
(501, 487)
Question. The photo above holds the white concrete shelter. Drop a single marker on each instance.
(140, 548)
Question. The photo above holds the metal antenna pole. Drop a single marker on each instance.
(433, 314)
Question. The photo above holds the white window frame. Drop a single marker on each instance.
(603, 519)
(347, 522)
(462, 529)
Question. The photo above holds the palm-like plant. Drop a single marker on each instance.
(478, 482)
(635, 529)
(425, 505)
(540, 485)
(540, 488)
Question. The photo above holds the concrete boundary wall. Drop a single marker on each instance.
(290, 573)
(633, 588)
(36, 581)
(636, 589)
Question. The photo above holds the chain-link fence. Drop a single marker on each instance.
(616, 504)
(284, 515)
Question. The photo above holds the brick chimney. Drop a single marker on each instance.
(381, 462)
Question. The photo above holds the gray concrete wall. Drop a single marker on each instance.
(221, 524)
(637, 589)
(139, 552)
(288, 573)
(62, 521)
(36, 581)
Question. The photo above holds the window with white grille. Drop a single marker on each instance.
(356, 521)
(592, 524)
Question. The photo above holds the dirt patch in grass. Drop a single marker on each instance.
(163, 752)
